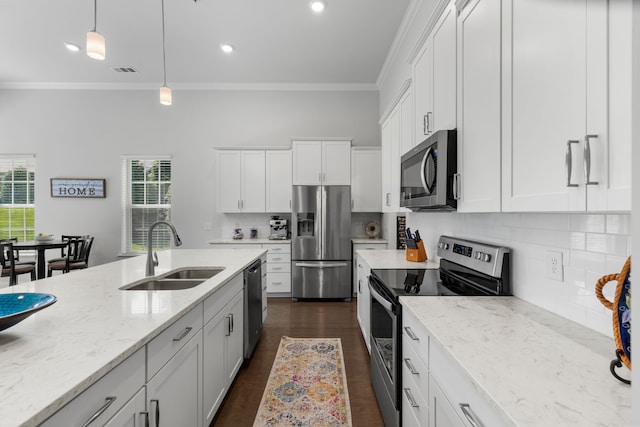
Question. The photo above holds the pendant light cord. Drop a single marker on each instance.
(95, 15)
(164, 61)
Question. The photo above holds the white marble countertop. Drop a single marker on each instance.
(392, 258)
(367, 240)
(536, 368)
(246, 241)
(55, 354)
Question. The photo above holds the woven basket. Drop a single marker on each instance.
(621, 309)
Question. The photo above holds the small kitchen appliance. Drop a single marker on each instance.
(467, 268)
(279, 228)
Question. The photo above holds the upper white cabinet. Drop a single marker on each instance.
(434, 78)
(321, 162)
(395, 136)
(241, 180)
(278, 180)
(366, 180)
(479, 106)
(566, 123)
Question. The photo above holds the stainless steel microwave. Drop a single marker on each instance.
(428, 179)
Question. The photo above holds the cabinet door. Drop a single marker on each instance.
(386, 150)
(553, 90)
(441, 413)
(423, 92)
(307, 161)
(407, 141)
(366, 180)
(479, 106)
(253, 181)
(444, 70)
(336, 162)
(364, 303)
(278, 181)
(229, 178)
(391, 161)
(132, 414)
(235, 341)
(174, 393)
(214, 375)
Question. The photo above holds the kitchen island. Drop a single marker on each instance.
(51, 357)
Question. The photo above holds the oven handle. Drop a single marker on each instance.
(386, 304)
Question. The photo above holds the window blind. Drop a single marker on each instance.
(146, 199)
(17, 196)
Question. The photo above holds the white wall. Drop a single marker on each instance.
(83, 134)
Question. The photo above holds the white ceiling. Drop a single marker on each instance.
(277, 42)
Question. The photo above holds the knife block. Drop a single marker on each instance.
(416, 255)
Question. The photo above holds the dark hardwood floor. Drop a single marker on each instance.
(303, 319)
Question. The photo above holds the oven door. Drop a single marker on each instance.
(385, 352)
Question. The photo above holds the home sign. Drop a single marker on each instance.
(84, 188)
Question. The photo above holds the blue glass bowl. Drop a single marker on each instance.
(15, 308)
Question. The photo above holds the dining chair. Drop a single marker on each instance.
(16, 252)
(9, 266)
(77, 256)
(64, 249)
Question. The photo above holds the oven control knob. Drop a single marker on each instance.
(478, 255)
(486, 257)
(443, 245)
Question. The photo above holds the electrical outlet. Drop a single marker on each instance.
(554, 266)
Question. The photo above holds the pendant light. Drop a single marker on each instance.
(165, 91)
(95, 40)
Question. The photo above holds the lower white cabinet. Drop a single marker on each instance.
(363, 299)
(442, 413)
(133, 414)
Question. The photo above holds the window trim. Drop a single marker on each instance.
(31, 160)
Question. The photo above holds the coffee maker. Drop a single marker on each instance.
(279, 228)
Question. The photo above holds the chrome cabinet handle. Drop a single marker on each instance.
(410, 366)
(359, 289)
(470, 415)
(231, 315)
(411, 334)
(228, 333)
(388, 197)
(157, 402)
(568, 162)
(183, 334)
(276, 283)
(587, 159)
(456, 186)
(426, 123)
(412, 401)
(108, 402)
(146, 418)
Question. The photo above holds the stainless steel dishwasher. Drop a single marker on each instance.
(252, 307)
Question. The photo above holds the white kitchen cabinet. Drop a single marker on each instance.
(556, 104)
(173, 394)
(278, 180)
(363, 299)
(366, 180)
(394, 135)
(241, 180)
(222, 344)
(442, 413)
(278, 269)
(434, 78)
(479, 106)
(321, 162)
(133, 414)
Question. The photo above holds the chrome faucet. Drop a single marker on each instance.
(152, 260)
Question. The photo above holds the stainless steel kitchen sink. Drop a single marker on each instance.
(202, 273)
(181, 278)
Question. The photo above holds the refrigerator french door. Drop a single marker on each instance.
(321, 242)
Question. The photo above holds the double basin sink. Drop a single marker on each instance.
(181, 278)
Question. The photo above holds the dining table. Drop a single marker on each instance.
(40, 246)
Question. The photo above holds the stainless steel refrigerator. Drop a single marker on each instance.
(321, 242)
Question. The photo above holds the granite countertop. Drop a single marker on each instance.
(366, 240)
(246, 241)
(534, 367)
(392, 258)
(55, 354)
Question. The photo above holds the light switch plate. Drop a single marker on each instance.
(554, 266)
(208, 226)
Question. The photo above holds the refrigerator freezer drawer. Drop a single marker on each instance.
(321, 279)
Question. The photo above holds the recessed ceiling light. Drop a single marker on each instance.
(227, 48)
(72, 46)
(318, 5)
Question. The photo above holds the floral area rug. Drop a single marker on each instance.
(307, 385)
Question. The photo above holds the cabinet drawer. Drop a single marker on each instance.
(172, 339)
(279, 248)
(370, 247)
(278, 257)
(414, 367)
(214, 303)
(416, 335)
(278, 267)
(415, 411)
(459, 390)
(235, 246)
(121, 383)
(279, 282)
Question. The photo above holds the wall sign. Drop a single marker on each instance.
(72, 187)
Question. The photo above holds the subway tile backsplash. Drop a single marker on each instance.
(592, 245)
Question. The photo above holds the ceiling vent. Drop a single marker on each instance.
(125, 70)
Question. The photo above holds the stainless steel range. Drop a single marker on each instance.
(467, 268)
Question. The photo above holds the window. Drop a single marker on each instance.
(17, 201)
(146, 199)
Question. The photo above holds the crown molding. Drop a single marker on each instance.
(301, 87)
(394, 101)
